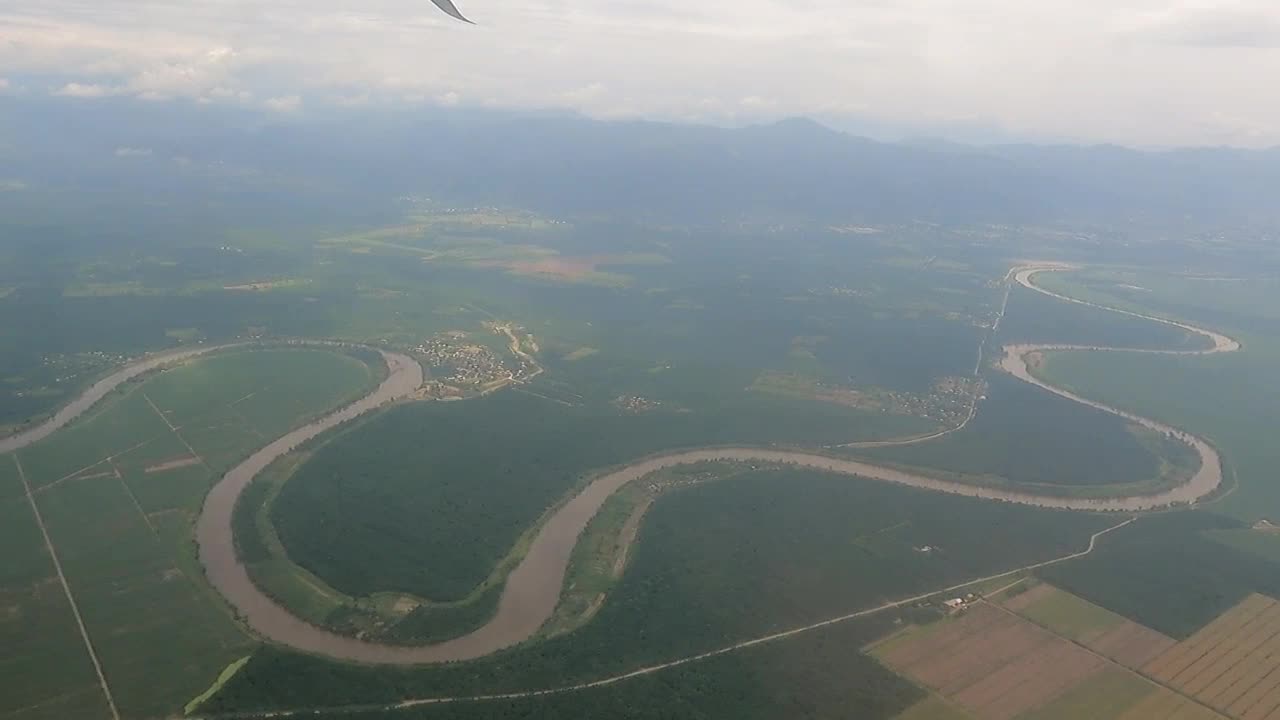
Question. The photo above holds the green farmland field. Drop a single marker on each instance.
(44, 670)
(140, 608)
(10, 482)
(119, 491)
(1106, 695)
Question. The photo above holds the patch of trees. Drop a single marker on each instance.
(427, 498)
(1026, 434)
(822, 675)
(1162, 572)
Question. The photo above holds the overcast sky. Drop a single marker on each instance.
(1138, 72)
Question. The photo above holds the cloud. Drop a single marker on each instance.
(1152, 72)
(125, 152)
(283, 103)
(1220, 27)
(87, 90)
(357, 100)
(4, 83)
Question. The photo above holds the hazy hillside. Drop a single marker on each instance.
(564, 163)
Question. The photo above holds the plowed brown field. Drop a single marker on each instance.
(993, 663)
(1232, 664)
(1098, 629)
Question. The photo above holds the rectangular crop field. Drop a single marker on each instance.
(116, 428)
(1166, 705)
(157, 635)
(1098, 629)
(44, 667)
(268, 390)
(1109, 694)
(1062, 612)
(1232, 664)
(992, 663)
(269, 387)
(179, 488)
(119, 492)
(933, 708)
(996, 665)
(10, 484)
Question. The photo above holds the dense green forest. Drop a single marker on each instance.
(1025, 434)
(816, 676)
(1165, 572)
(419, 499)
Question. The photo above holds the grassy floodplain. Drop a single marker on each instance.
(118, 491)
(1033, 317)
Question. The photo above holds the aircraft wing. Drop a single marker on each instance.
(451, 10)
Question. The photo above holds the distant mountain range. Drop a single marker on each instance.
(563, 163)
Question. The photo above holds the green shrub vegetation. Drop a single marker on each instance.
(434, 622)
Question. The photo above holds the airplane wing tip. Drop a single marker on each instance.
(451, 10)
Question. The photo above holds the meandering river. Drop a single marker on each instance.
(533, 588)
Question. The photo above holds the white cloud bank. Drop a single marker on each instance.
(86, 90)
(284, 103)
(1148, 72)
